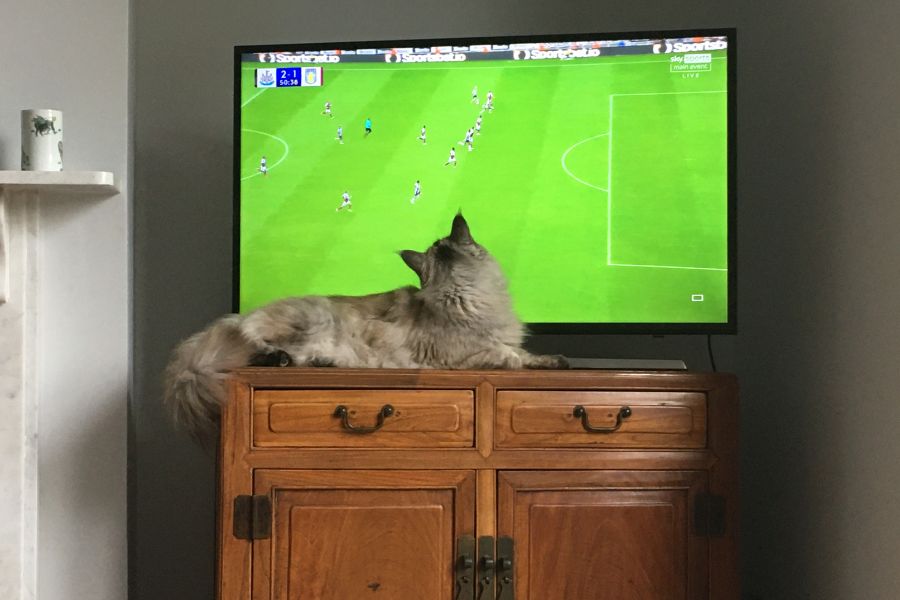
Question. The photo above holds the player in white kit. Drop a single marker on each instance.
(489, 101)
(468, 141)
(478, 125)
(417, 191)
(422, 135)
(452, 159)
(475, 95)
(263, 168)
(345, 202)
(340, 134)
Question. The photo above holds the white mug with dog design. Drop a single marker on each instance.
(42, 140)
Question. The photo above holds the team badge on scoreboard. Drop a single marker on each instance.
(265, 78)
(312, 76)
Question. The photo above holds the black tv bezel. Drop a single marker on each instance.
(727, 327)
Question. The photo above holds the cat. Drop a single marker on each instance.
(460, 317)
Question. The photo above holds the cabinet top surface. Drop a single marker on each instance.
(305, 377)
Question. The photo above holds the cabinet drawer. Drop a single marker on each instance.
(548, 419)
(415, 418)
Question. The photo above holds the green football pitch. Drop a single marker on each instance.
(600, 185)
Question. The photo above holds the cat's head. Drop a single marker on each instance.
(455, 262)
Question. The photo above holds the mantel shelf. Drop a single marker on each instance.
(28, 186)
(59, 182)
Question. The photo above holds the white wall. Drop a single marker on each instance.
(74, 56)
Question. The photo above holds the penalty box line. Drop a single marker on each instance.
(284, 144)
(609, 190)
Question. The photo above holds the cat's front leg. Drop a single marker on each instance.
(497, 357)
(273, 358)
(287, 324)
(541, 361)
(511, 357)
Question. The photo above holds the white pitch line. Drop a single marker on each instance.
(667, 267)
(572, 175)
(672, 93)
(253, 97)
(280, 160)
(609, 184)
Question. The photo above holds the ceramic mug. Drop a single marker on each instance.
(42, 140)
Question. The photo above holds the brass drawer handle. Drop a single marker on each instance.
(581, 413)
(344, 414)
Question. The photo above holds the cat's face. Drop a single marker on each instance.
(450, 259)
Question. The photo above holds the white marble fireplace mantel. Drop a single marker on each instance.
(20, 195)
(24, 186)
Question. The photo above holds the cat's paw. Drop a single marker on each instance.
(276, 358)
(549, 361)
(319, 361)
(559, 361)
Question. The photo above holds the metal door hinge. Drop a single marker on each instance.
(506, 561)
(485, 568)
(709, 515)
(252, 517)
(465, 568)
(491, 572)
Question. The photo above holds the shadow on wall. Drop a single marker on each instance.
(795, 501)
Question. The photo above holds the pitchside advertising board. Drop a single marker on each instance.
(689, 55)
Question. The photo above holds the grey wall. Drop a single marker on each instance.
(819, 292)
(820, 299)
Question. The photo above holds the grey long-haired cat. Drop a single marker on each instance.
(461, 318)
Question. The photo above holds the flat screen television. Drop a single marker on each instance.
(599, 169)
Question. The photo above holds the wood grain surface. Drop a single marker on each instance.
(486, 453)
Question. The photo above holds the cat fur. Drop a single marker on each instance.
(460, 317)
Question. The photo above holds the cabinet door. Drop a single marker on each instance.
(604, 535)
(339, 535)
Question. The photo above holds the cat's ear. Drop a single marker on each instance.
(460, 231)
(414, 260)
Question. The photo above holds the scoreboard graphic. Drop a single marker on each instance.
(289, 77)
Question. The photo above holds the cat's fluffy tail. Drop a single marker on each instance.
(195, 377)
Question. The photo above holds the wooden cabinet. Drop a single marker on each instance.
(328, 525)
(604, 535)
(434, 485)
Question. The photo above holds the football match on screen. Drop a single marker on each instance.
(596, 172)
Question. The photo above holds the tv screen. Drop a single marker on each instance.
(598, 170)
